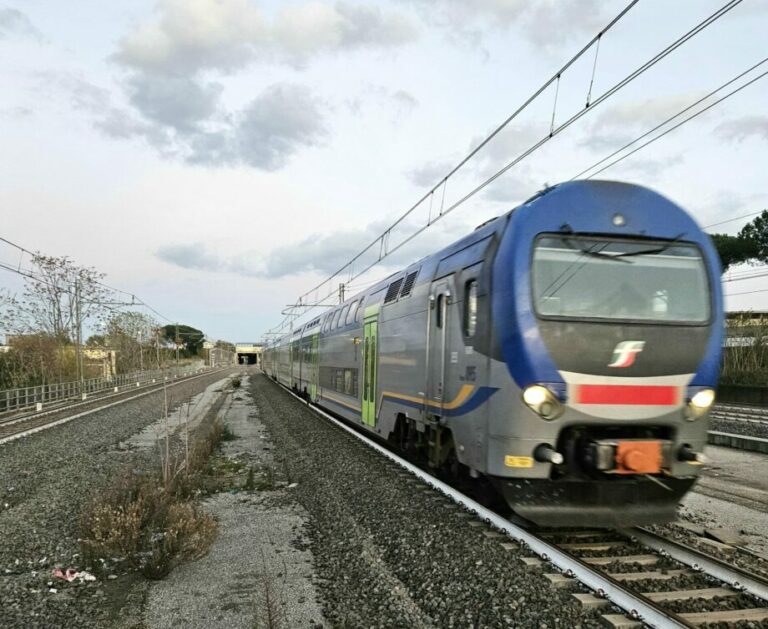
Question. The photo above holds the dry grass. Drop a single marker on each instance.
(150, 518)
(746, 363)
(270, 613)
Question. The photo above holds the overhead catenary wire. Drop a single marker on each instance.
(735, 218)
(748, 292)
(17, 269)
(555, 131)
(444, 180)
(671, 118)
(679, 124)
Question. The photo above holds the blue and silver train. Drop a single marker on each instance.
(565, 353)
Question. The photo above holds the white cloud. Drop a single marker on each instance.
(508, 144)
(13, 23)
(183, 121)
(545, 23)
(189, 36)
(176, 102)
(322, 254)
(619, 124)
(744, 128)
(429, 174)
(177, 107)
(189, 256)
(514, 186)
(272, 128)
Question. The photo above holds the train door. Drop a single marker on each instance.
(370, 366)
(439, 356)
(313, 382)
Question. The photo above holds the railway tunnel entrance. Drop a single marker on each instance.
(248, 353)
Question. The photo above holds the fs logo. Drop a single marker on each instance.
(624, 353)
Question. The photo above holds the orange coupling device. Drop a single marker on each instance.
(638, 457)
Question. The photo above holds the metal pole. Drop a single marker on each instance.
(177, 348)
(79, 338)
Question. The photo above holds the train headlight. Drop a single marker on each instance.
(700, 403)
(542, 401)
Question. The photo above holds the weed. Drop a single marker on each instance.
(268, 481)
(227, 434)
(250, 483)
(287, 472)
(149, 517)
(236, 383)
(269, 610)
(139, 519)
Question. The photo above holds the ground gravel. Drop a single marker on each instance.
(736, 427)
(390, 553)
(45, 480)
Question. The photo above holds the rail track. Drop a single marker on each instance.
(688, 586)
(740, 427)
(29, 423)
(640, 579)
(740, 413)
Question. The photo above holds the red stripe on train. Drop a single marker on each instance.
(627, 394)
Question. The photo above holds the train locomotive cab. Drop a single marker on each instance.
(607, 318)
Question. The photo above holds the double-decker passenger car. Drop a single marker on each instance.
(566, 351)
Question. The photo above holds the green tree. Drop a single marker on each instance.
(749, 245)
(733, 249)
(756, 233)
(230, 347)
(190, 338)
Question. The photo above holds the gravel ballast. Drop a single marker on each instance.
(258, 572)
(390, 552)
(45, 481)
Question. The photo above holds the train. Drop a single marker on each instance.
(565, 354)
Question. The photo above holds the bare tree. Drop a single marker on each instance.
(48, 305)
(135, 337)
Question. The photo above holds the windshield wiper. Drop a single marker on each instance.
(592, 253)
(643, 252)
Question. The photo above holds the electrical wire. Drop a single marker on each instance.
(679, 124)
(554, 131)
(135, 301)
(748, 292)
(443, 182)
(736, 218)
(670, 119)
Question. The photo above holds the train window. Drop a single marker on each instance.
(335, 321)
(622, 279)
(343, 318)
(360, 312)
(352, 312)
(470, 308)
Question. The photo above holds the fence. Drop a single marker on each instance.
(30, 397)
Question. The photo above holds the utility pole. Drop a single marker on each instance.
(79, 338)
(157, 346)
(141, 350)
(177, 347)
(341, 293)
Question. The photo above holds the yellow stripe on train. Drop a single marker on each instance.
(464, 394)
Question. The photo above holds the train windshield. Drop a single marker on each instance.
(594, 278)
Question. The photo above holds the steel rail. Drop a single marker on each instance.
(66, 405)
(737, 442)
(155, 388)
(637, 606)
(734, 576)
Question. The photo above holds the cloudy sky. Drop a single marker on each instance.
(220, 157)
